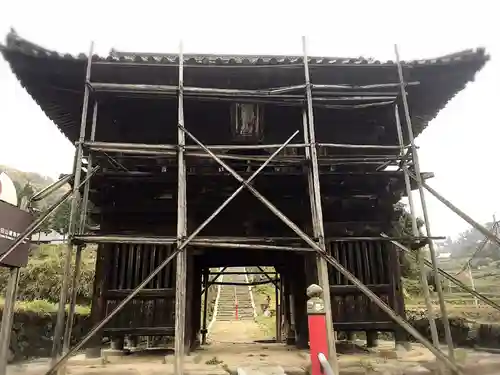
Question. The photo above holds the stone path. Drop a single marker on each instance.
(236, 331)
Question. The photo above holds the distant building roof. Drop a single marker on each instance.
(52, 236)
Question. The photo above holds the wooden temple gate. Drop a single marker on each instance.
(169, 148)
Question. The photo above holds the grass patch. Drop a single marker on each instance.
(44, 307)
(267, 324)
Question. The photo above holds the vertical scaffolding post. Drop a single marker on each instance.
(473, 286)
(90, 166)
(277, 295)
(8, 316)
(317, 212)
(181, 267)
(77, 170)
(80, 248)
(9, 308)
(432, 251)
(206, 273)
(414, 227)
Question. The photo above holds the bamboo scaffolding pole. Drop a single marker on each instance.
(158, 269)
(8, 316)
(415, 232)
(206, 273)
(450, 277)
(90, 165)
(79, 249)
(168, 147)
(77, 170)
(232, 241)
(181, 259)
(272, 281)
(250, 246)
(432, 251)
(252, 158)
(366, 103)
(317, 214)
(480, 228)
(473, 286)
(365, 290)
(233, 93)
(9, 307)
(74, 290)
(364, 87)
(44, 193)
(245, 273)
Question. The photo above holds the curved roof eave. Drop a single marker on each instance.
(56, 81)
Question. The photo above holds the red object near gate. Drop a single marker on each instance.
(317, 341)
(316, 315)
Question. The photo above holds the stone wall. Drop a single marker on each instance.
(465, 333)
(32, 333)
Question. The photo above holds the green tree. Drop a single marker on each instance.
(60, 220)
(409, 267)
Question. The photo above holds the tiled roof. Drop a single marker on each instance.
(13, 42)
(56, 81)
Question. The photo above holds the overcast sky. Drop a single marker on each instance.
(460, 145)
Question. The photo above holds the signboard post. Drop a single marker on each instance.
(13, 221)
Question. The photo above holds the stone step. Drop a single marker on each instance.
(233, 307)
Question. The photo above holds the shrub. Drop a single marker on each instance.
(41, 278)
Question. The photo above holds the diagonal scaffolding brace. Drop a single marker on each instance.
(363, 288)
(432, 251)
(448, 276)
(180, 248)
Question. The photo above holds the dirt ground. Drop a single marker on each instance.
(232, 345)
(237, 331)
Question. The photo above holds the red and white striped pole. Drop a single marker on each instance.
(316, 315)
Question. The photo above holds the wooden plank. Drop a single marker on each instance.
(141, 331)
(339, 290)
(143, 294)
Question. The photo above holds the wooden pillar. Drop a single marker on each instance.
(189, 327)
(371, 339)
(299, 286)
(287, 318)
(206, 273)
(98, 308)
(196, 320)
(400, 335)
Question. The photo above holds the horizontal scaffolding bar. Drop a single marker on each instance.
(236, 93)
(364, 87)
(274, 281)
(143, 294)
(242, 273)
(340, 145)
(122, 147)
(232, 241)
(230, 245)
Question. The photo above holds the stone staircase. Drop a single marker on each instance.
(229, 294)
